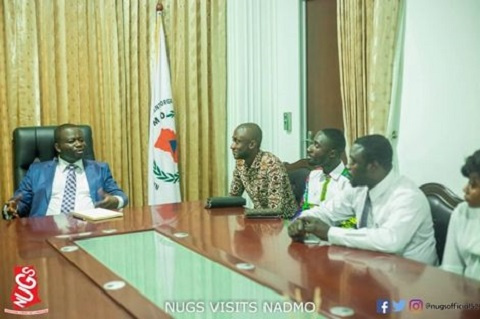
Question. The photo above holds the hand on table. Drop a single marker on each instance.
(108, 201)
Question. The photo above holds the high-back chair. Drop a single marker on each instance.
(36, 144)
(297, 174)
(442, 203)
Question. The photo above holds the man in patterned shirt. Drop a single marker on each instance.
(260, 173)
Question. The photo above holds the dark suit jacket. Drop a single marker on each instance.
(35, 188)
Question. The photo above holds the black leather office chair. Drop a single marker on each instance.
(297, 174)
(297, 181)
(442, 203)
(36, 144)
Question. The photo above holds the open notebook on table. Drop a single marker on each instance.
(97, 214)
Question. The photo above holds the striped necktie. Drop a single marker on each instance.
(68, 202)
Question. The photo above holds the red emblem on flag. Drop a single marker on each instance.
(167, 142)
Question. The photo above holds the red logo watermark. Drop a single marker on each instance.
(25, 292)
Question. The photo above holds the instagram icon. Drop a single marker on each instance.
(415, 305)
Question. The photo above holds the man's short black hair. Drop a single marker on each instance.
(472, 164)
(60, 128)
(336, 139)
(376, 148)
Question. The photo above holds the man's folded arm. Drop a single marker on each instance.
(333, 211)
(236, 188)
(392, 236)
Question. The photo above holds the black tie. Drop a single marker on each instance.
(367, 208)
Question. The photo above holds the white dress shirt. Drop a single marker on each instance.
(315, 185)
(400, 221)
(462, 248)
(83, 201)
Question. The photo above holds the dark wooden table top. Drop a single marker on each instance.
(341, 277)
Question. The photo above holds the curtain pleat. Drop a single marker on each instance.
(366, 40)
(196, 39)
(88, 62)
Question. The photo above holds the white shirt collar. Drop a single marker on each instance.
(63, 164)
(337, 172)
(383, 185)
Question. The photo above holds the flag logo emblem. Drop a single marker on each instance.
(167, 142)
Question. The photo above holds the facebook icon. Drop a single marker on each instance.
(383, 306)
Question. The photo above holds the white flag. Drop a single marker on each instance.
(163, 177)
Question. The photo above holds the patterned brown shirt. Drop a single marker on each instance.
(266, 182)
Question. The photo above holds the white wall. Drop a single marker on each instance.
(264, 76)
(440, 100)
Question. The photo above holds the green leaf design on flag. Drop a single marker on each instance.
(165, 176)
(171, 114)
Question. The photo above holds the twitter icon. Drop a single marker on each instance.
(398, 306)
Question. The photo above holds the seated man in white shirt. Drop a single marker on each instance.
(330, 177)
(393, 215)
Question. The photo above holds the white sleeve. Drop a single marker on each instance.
(405, 216)
(335, 210)
(452, 259)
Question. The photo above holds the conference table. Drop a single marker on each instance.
(184, 261)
